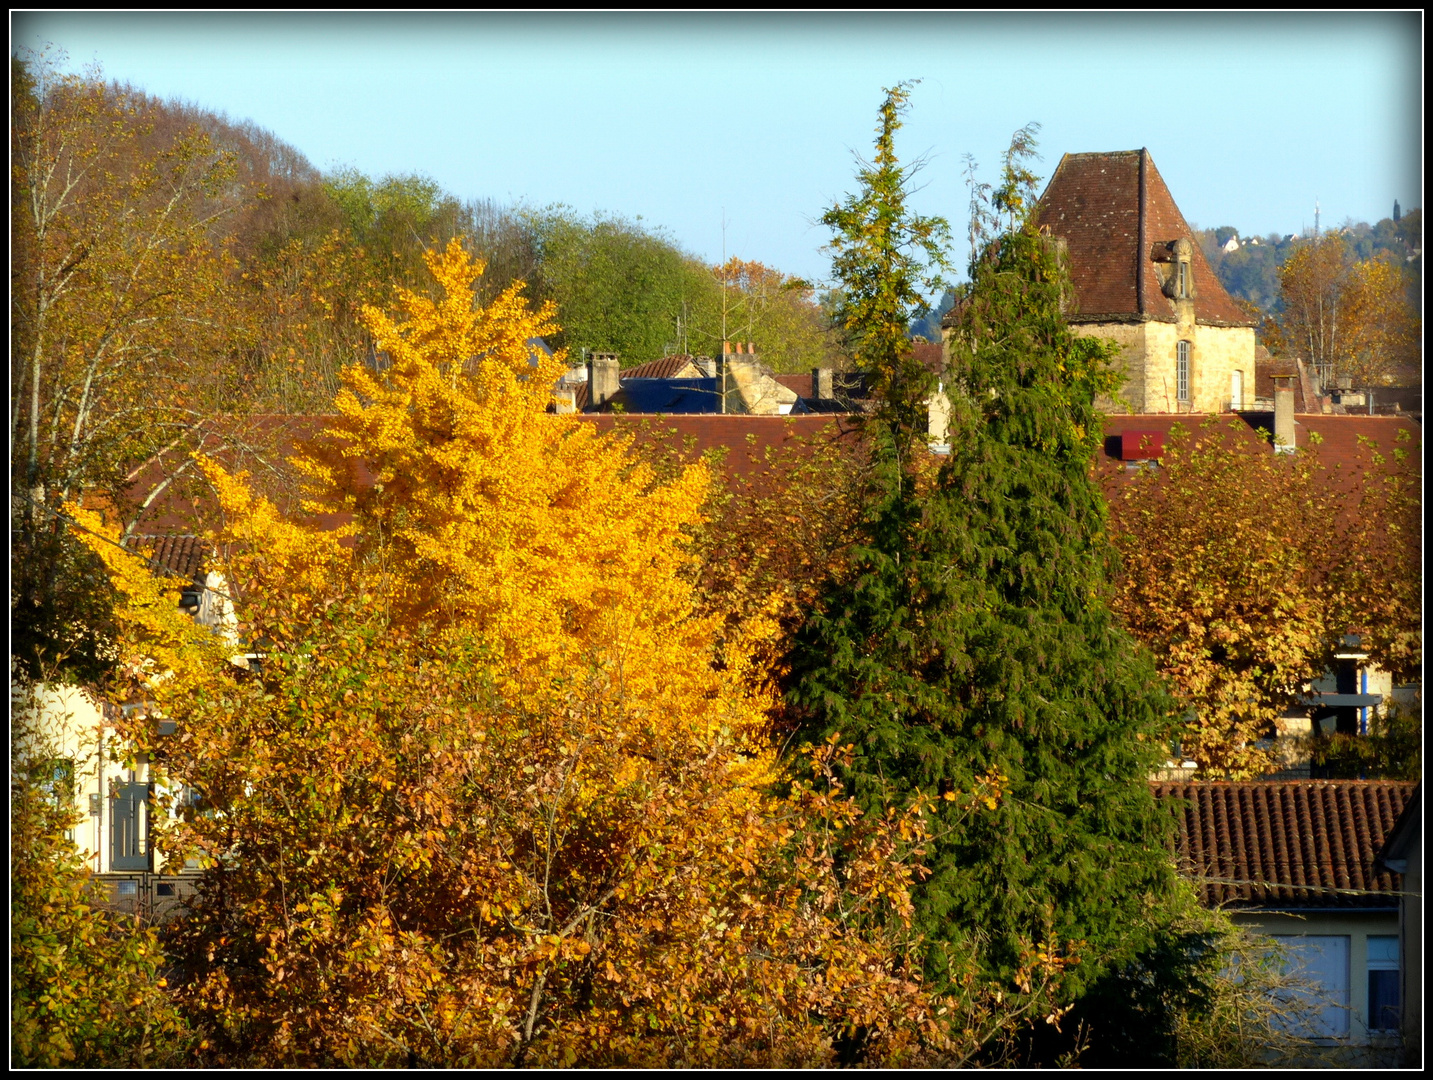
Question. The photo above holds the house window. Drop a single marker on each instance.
(56, 778)
(1181, 285)
(1383, 997)
(1181, 371)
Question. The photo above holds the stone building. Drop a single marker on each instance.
(1141, 280)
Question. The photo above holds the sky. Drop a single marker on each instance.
(733, 133)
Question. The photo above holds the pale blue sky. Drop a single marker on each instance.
(678, 118)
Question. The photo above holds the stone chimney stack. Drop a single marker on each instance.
(822, 383)
(1284, 414)
(602, 382)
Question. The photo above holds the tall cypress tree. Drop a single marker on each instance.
(974, 636)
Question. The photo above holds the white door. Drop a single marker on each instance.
(1236, 391)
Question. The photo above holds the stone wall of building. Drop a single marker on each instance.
(1216, 352)
(1149, 357)
(1130, 337)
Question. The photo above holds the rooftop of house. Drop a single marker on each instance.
(1405, 838)
(1103, 205)
(176, 554)
(1346, 462)
(1267, 368)
(676, 366)
(1288, 845)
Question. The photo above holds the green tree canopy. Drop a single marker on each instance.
(618, 286)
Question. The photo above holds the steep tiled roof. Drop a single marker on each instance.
(1299, 844)
(1407, 831)
(1093, 202)
(800, 385)
(1266, 367)
(676, 366)
(930, 355)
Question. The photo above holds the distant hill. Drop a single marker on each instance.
(1250, 268)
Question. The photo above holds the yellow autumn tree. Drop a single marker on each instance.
(1350, 319)
(1381, 329)
(487, 798)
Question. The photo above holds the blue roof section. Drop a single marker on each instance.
(671, 396)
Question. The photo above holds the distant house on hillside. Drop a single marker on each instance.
(1140, 279)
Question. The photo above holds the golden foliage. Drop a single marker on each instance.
(491, 798)
(1352, 317)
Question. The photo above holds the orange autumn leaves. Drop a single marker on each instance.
(488, 799)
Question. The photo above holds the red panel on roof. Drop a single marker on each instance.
(1141, 445)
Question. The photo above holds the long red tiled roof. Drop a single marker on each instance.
(1093, 203)
(748, 434)
(747, 439)
(1338, 438)
(1290, 845)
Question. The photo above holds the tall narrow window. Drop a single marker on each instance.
(1382, 983)
(1181, 371)
(1181, 288)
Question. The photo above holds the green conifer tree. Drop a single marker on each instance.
(887, 261)
(973, 636)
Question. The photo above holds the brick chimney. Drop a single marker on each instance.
(1284, 413)
(602, 382)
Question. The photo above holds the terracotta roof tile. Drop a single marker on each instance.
(180, 555)
(746, 438)
(1346, 463)
(930, 355)
(800, 385)
(1295, 844)
(1093, 203)
(1340, 444)
(667, 367)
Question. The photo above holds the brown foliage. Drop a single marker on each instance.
(1242, 570)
